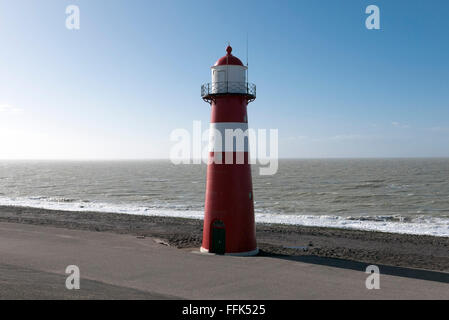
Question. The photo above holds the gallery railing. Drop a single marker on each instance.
(210, 90)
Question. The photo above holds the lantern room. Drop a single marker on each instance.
(229, 75)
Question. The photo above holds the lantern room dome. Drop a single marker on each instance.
(228, 59)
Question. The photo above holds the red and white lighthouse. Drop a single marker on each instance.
(229, 226)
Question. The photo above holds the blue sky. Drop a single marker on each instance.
(117, 87)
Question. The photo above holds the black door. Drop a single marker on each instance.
(218, 244)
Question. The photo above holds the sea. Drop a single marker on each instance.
(389, 195)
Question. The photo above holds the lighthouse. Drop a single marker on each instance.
(229, 226)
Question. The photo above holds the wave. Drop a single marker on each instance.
(418, 225)
(363, 186)
(55, 199)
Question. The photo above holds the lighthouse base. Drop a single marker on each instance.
(236, 254)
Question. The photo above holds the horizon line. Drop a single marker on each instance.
(167, 159)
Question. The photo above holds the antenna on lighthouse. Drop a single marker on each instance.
(227, 65)
(247, 57)
(247, 54)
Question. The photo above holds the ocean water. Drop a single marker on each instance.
(391, 195)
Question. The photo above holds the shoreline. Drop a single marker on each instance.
(437, 226)
(374, 247)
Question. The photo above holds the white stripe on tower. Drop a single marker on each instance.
(228, 137)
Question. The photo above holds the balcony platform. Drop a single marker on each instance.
(210, 91)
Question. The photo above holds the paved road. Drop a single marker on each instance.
(33, 260)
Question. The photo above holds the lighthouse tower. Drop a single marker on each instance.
(229, 226)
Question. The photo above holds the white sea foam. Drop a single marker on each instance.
(419, 225)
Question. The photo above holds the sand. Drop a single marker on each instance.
(292, 242)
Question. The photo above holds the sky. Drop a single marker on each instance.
(117, 87)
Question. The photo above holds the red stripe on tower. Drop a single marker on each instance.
(229, 226)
